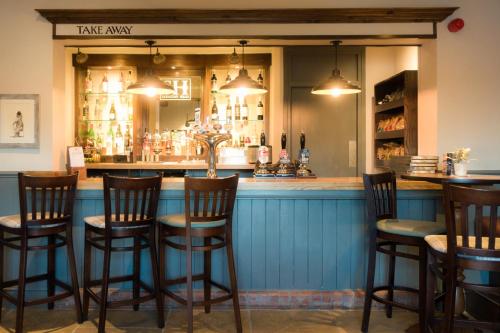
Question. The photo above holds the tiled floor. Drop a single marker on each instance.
(255, 321)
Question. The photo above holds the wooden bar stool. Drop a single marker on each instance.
(474, 246)
(132, 215)
(46, 210)
(386, 232)
(208, 215)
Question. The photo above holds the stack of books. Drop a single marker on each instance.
(423, 164)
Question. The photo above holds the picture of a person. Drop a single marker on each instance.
(18, 125)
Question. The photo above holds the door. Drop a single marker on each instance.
(329, 123)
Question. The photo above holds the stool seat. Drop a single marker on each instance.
(413, 228)
(179, 221)
(14, 221)
(98, 221)
(438, 243)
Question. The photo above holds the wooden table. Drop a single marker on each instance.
(439, 178)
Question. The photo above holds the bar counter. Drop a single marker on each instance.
(295, 240)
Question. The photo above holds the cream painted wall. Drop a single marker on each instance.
(381, 63)
(467, 68)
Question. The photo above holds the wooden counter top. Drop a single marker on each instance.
(166, 166)
(252, 184)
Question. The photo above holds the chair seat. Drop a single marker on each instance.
(98, 221)
(438, 243)
(179, 221)
(14, 221)
(413, 228)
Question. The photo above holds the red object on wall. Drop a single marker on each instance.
(456, 25)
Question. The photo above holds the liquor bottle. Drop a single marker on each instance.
(130, 109)
(110, 138)
(215, 112)
(228, 78)
(244, 110)
(85, 109)
(127, 138)
(260, 78)
(104, 83)
(213, 82)
(98, 140)
(260, 110)
(146, 146)
(112, 112)
(88, 82)
(91, 136)
(237, 114)
(128, 82)
(97, 109)
(229, 110)
(119, 141)
(121, 83)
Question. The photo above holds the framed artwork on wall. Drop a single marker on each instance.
(19, 121)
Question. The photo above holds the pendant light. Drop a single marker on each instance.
(336, 85)
(243, 84)
(81, 57)
(150, 85)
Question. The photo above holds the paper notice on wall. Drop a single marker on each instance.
(75, 157)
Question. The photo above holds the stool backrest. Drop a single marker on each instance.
(208, 199)
(380, 192)
(131, 202)
(475, 205)
(46, 198)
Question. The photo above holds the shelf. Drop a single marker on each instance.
(106, 94)
(105, 120)
(390, 106)
(399, 134)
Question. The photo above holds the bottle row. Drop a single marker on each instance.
(214, 82)
(107, 85)
(105, 108)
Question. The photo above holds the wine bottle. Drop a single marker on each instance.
(260, 110)
(244, 110)
(213, 82)
(215, 112)
(119, 141)
(88, 82)
(237, 114)
(229, 110)
(112, 112)
(110, 138)
(97, 109)
(104, 83)
(85, 109)
(260, 78)
(127, 138)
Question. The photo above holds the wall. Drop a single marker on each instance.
(381, 63)
(467, 70)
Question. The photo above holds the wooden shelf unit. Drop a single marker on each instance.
(406, 106)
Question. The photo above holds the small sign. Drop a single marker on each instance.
(75, 157)
(182, 88)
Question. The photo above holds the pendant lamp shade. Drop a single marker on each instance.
(150, 85)
(336, 84)
(243, 84)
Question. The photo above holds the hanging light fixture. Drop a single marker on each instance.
(336, 85)
(150, 85)
(243, 84)
(81, 57)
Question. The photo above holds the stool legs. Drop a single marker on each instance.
(22, 284)
(370, 276)
(422, 286)
(431, 287)
(1, 272)
(156, 279)
(232, 276)
(105, 284)
(390, 291)
(86, 274)
(189, 282)
(136, 273)
(74, 275)
(207, 272)
(51, 270)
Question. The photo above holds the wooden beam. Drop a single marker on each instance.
(247, 16)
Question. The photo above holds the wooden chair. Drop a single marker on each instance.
(208, 214)
(132, 215)
(46, 211)
(470, 244)
(386, 232)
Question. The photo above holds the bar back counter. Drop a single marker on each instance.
(298, 242)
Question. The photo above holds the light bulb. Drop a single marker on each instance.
(151, 92)
(335, 92)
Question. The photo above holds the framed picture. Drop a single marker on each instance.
(19, 121)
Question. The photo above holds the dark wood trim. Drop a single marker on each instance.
(225, 16)
(264, 37)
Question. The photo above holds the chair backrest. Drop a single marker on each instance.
(131, 202)
(380, 191)
(475, 206)
(46, 198)
(209, 199)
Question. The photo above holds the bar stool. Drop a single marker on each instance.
(131, 216)
(386, 230)
(208, 214)
(477, 247)
(46, 210)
